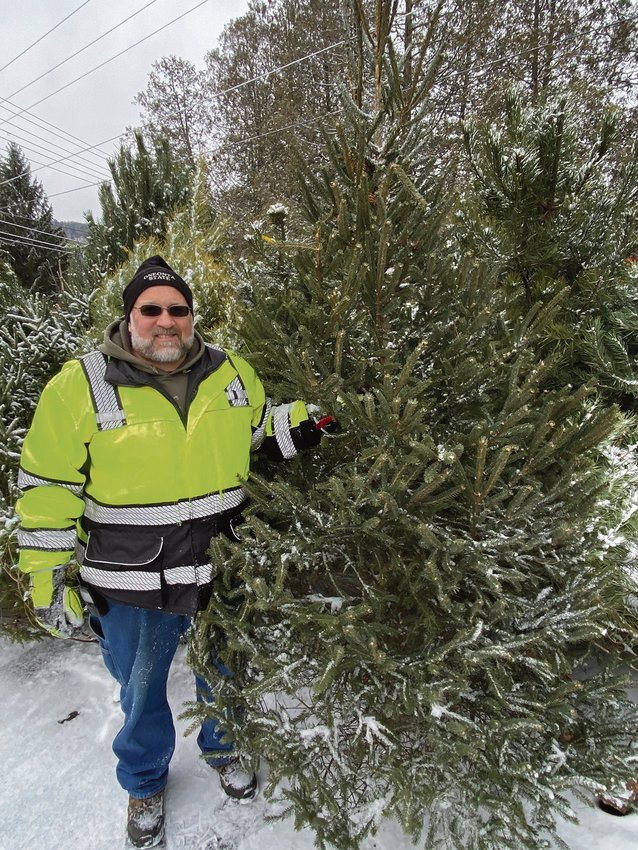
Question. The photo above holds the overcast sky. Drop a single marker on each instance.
(99, 106)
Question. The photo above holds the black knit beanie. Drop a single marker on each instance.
(153, 272)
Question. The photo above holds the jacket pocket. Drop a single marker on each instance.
(117, 550)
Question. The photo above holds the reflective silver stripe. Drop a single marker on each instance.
(107, 407)
(198, 575)
(109, 419)
(142, 580)
(26, 480)
(121, 579)
(214, 503)
(260, 432)
(281, 427)
(53, 539)
(236, 393)
(217, 503)
(80, 550)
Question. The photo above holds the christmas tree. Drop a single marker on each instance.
(550, 210)
(413, 612)
(34, 246)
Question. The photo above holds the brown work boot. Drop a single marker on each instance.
(237, 782)
(621, 801)
(145, 824)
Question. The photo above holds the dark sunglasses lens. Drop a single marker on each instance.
(178, 311)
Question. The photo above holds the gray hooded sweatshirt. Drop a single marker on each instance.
(117, 344)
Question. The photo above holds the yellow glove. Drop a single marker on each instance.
(58, 608)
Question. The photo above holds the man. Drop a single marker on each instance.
(133, 462)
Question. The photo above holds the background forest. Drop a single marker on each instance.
(422, 217)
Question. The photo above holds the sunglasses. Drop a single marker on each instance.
(177, 311)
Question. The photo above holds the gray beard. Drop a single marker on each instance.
(165, 354)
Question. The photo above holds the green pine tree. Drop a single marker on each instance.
(549, 211)
(148, 184)
(414, 611)
(31, 242)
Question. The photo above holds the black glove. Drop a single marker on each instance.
(310, 431)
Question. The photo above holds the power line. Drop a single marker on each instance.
(44, 165)
(53, 168)
(267, 74)
(56, 194)
(62, 135)
(86, 46)
(5, 241)
(38, 40)
(478, 65)
(336, 112)
(89, 165)
(77, 189)
(32, 229)
(33, 243)
(215, 95)
(237, 142)
(116, 56)
(57, 161)
(130, 47)
(9, 136)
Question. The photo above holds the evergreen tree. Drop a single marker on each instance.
(275, 79)
(31, 242)
(409, 614)
(149, 183)
(545, 46)
(550, 211)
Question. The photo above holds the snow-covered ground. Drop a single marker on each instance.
(57, 781)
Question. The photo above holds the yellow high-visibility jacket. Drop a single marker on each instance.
(112, 473)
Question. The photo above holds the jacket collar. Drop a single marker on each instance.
(125, 373)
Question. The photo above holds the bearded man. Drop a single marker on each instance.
(134, 461)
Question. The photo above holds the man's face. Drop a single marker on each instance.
(163, 340)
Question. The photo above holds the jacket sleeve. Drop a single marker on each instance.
(51, 479)
(280, 431)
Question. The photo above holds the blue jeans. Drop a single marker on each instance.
(138, 647)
